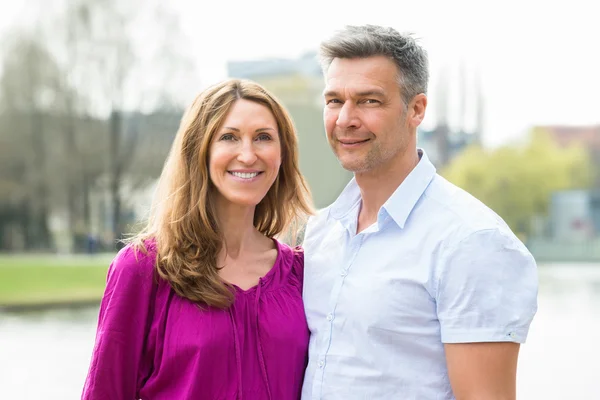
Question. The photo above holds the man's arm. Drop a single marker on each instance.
(486, 298)
(482, 371)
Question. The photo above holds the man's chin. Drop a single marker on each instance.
(354, 166)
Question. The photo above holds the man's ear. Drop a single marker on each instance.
(416, 110)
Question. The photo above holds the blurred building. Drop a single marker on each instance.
(443, 144)
(575, 215)
(587, 136)
(572, 229)
(445, 141)
(306, 66)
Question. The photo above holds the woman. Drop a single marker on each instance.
(205, 303)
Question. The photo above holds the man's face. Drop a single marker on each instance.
(365, 117)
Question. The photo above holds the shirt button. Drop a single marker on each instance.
(321, 364)
(330, 317)
(344, 273)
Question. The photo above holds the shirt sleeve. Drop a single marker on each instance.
(487, 289)
(116, 366)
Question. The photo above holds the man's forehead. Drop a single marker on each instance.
(361, 75)
(378, 67)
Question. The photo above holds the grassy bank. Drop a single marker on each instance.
(44, 279)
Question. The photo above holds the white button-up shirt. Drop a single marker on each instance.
(437, 267)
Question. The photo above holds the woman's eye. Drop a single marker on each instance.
(263, 136)
(227, 136)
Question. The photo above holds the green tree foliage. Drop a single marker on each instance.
(517, 182)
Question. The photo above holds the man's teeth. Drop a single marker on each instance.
(244, 175)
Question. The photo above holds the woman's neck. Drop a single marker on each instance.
(236, 224)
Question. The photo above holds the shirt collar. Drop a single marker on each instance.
(401, 202)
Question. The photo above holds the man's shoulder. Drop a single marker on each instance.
(318, 227)
(462, 214)
(453, 215)
(467, 229)
(319, 221)
(320, 216)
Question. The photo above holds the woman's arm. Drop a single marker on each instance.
(116, 369)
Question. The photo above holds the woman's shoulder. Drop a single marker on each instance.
(299, 255)
(294, 253)
(293, 259)
(134, 261)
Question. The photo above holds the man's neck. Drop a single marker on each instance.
(378, 185)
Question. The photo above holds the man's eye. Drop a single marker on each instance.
(372, 101)
(333, 101)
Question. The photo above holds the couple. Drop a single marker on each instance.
(406, 287)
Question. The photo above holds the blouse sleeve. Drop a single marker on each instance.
(298, 266)
(116, 366)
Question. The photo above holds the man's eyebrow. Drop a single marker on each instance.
(365, 93)
(372, 92)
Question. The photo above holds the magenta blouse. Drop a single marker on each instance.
(153, 344)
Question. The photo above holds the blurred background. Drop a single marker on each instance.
(92, 91)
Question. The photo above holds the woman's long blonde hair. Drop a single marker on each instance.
(182, 222)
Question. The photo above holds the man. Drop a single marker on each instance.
(413, 288)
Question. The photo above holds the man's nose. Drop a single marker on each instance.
(347, 117)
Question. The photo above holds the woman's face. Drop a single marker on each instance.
(245, 154)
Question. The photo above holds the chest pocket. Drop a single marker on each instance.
(386, 292)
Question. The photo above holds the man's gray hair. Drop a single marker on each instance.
(372, 40)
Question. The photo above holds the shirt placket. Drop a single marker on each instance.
(325, 344)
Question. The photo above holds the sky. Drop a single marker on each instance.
(537, 61)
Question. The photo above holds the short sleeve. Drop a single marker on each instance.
(487, 289)
(116, 366)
